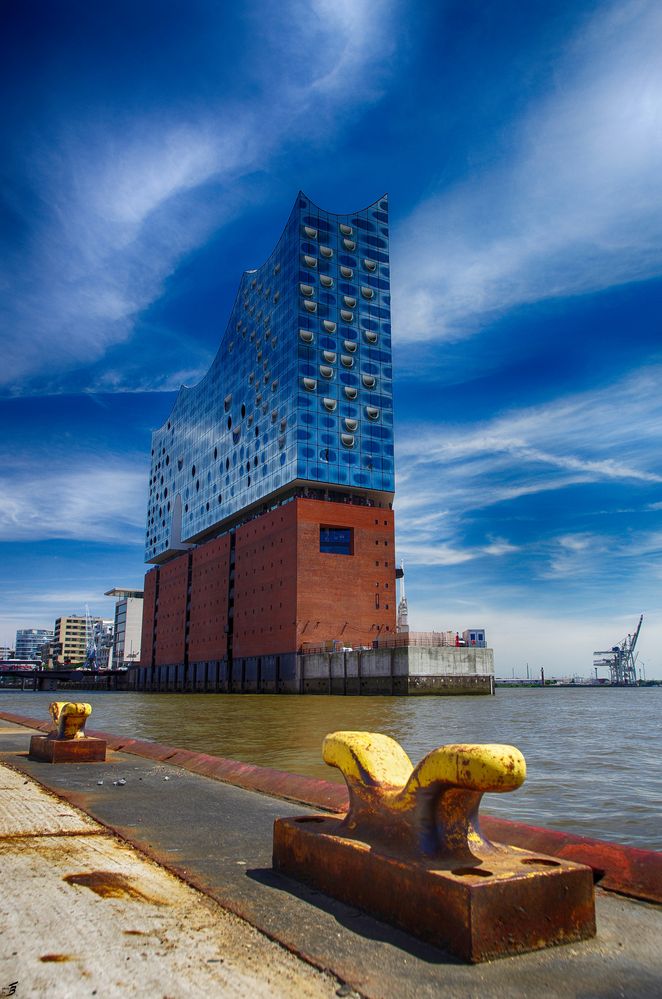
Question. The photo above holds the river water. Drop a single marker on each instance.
(594, 756)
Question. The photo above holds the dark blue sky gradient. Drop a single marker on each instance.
(151, 152)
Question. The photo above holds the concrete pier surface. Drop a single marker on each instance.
(84, 914)
(85, 910)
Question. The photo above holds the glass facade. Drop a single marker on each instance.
(300, 391)
(29, 642)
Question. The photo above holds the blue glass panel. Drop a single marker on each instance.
(363, 224)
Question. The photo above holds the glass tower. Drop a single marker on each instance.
(299, 396)
(29, 642)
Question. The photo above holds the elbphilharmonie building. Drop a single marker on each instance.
(271, 486)
(270, 523)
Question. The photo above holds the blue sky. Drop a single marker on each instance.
(151, 152)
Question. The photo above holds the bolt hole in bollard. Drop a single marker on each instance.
(410, 851)
(466, 872)
(67, 742)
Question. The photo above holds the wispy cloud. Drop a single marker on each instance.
(584, 433)
(448, 476)
(121, 204)
(82, 499)
(574, 208)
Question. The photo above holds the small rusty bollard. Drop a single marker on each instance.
(410, 851)
(67, 742)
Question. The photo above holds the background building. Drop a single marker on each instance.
(30, 641)
(103, 636)
(72, 636)
(127, 626)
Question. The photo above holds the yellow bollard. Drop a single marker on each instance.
(430, 809)
(67, 742)
(69, 719)
(410, 851)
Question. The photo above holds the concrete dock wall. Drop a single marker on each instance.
(453, 661)
(402, 671)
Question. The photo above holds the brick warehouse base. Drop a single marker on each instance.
(270, 586)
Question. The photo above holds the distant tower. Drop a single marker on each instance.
(403, 611)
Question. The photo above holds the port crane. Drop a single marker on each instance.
(621, 660)
(90, 642)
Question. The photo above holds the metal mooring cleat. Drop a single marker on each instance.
(410, 851)
(67, 742)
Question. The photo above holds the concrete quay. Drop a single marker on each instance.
(215, 838)
(398, 670)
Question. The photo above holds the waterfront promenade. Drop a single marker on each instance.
(83, 913)
(216, 837)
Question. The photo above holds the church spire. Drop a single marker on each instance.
(403, 612)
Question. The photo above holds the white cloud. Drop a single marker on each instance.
(585, 433)
(575, 209)
(450, 477)
(354, 28)
(137, 178)
(123, 202)
(84, 499)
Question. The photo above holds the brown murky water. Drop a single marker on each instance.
(593, 755)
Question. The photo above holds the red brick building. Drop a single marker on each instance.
(233, 613)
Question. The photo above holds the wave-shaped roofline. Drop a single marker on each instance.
(183, 389)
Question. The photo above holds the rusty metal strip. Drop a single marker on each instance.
(622, 869)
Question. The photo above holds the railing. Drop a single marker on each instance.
(420, 639)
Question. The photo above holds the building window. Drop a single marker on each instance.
(337, 540)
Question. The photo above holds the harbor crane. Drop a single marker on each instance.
(91, 661)
(620, 660)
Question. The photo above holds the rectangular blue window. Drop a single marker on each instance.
(336, 540)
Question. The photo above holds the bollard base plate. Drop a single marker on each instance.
(85, 750)
(509, 902)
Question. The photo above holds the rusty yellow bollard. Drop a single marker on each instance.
(410, 851)
(69, 719)
(67, 742)
(428, 810)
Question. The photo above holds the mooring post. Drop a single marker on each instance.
(67, 742)
(410, 851)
